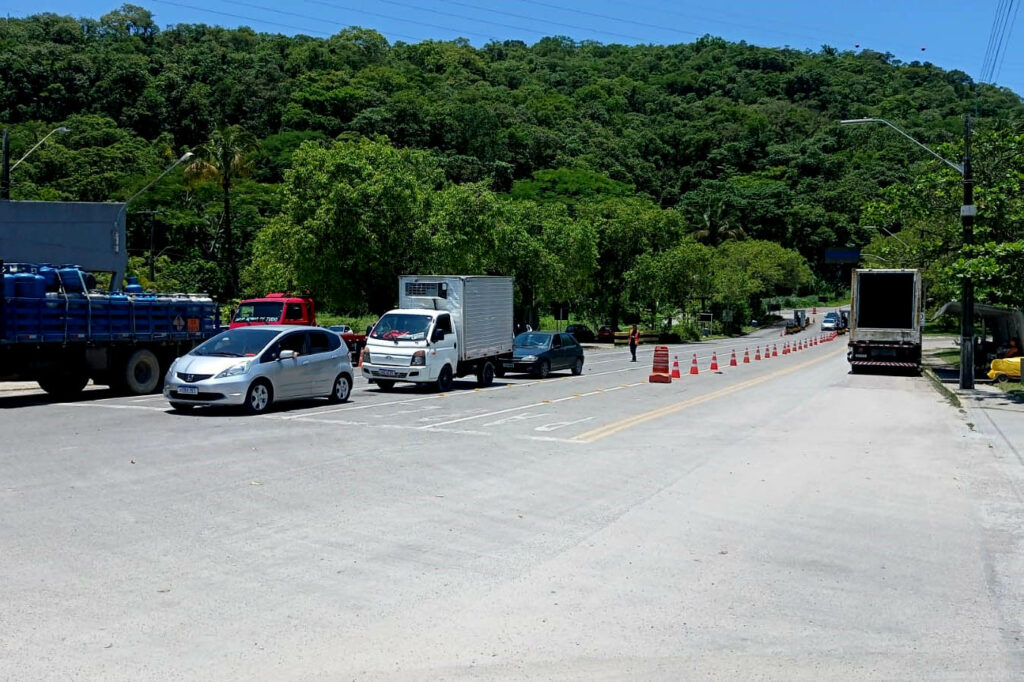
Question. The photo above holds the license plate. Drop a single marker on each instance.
(388, 373)
(188, 390)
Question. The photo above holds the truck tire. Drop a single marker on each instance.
(445, 379)
(1002, 378)
(64, 385)
(141, 373)
(485, 374)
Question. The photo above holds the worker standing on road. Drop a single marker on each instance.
(634, 339)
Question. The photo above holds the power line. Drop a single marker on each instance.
(242, 17)
(394, 18)
(301, 16)
(606, 16)
(998, 39)
(503, 25)
(1013, 20)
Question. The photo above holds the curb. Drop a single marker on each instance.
(943, 390)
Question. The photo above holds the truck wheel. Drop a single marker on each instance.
(1002, 378)
(384, 385)
(342, 389)
(141, 374)
(444, 379)
(485, 375)
(258, 397)
(65, 385)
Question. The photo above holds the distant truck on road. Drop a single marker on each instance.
(446, 326)
(885, 319)
(279, 308)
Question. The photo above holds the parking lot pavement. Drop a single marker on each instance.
(571, 525)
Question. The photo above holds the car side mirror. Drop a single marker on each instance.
(438, 335)
(287, 355)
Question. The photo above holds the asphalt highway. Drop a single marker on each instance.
(781, 519)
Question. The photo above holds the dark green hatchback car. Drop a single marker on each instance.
(540, 353)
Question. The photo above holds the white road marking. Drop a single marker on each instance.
(514, 418)
(117, 407)
(554, 426)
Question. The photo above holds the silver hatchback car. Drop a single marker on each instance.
(257, 366)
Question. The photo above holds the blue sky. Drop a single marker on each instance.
(954, 35)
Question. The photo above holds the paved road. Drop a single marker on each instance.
(778, 520)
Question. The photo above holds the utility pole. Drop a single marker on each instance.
(967, 213)
(5, 177)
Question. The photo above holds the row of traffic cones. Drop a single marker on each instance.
(769, 352)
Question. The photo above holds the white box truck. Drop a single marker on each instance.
(885, 319)
(445, 326)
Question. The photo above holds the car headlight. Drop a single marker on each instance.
(170, 370)
(529, 358)
(419, 359)
(234, 370)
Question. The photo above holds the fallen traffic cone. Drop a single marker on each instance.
(775, 351)
(746, 356)
(714, 362)
(675, 368)
(757, 353)
(693, 366)
(732, 360)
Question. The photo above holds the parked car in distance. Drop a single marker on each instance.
(830, 322)
(540, 353)
(341, 328)
(255, 367)
(580, 332)
(606, 334)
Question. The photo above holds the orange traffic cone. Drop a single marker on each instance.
(714, 362)
(732, 360)
(675, 367)
(746, 356)
(775, 351)
(693, 366)
(757, 353)
(814, 310)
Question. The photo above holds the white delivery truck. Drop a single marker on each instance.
(445, 326)
(885, 319)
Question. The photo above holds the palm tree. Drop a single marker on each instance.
(716, 225)
(224, 157)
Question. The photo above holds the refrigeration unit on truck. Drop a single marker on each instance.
(885, 319)
(57, 329)
(446, 326)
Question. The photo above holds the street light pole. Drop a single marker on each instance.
(5, 173)
(967, 213)
(61, 129)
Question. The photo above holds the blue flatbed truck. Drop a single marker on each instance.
(58, 330)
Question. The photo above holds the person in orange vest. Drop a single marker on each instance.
(634, 339)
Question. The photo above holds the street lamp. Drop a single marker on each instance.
(124, 207)
(61, 129)
(967, 213)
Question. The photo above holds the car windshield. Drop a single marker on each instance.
(261, 311)
(401, 327)
(237, 343)
(533, 340)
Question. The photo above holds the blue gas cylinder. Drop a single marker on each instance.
(28, 285)
(49, 276)
(71, 278)
(8, 285)
(133, 286)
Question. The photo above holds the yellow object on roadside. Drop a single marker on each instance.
(1006, 369)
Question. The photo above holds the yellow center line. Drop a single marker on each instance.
(623, 424)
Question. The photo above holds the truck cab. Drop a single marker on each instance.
(410, 345)
(275, 309)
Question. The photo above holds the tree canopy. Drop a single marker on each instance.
(619, 179)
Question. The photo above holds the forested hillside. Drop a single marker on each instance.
(622, 180)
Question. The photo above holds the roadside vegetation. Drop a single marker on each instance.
(619, 182)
